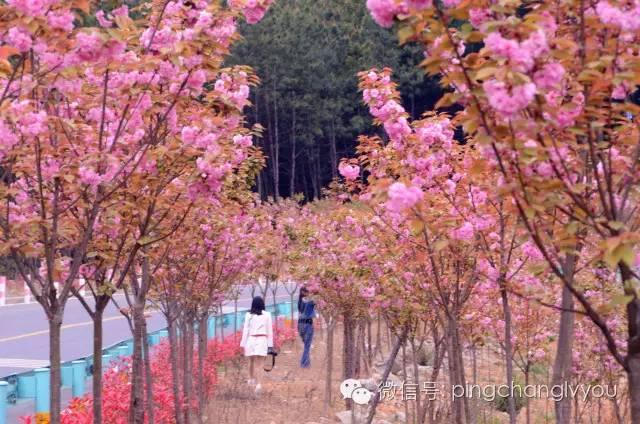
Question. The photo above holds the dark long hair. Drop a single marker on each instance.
(257, 305)
(303, 292)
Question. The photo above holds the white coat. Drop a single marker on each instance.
(257, 334)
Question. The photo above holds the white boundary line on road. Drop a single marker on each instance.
(86, 323)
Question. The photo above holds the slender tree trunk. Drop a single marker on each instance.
(456, 367)
(404, 373)
(508, 350)
(188, 369)
(256, 119)
(271, 165)
(357, 351)
(276, 145)
(438, 358)
(332, 151)
(235, 317)
(562, 363)
(526, 383)
(305, 181)
(348, 351)
(97, 366)
(328, 386)
(292, 177)
(313, 169)
(136, 407)
(318, 184)
(378, 336)
(363, 349)
(633, 343)
(387, 370)
(416, 381)
(369, 344)
(146, 351)
(175, 370)
(202, 355)
(55, 322)
(293, 324)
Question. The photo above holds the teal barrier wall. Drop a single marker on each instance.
(67, 375)
(27, 385)
(4, 392)
(42, 390)
(35, 384)
(79, 369)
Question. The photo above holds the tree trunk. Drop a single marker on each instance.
(235, 317)
(416, 381)
(633, 342)
(136, 404)
(175, 370)
(256, 119)
(526, 383)
(562, 363)
(357, 351)
(387, 370)
(97, 366)
(328, 386)
(292, 177)
(188, 369)
(275, 146)
(202, 355)
(348, 351)
(508, 350)
(293, 324)
(318, 185)
(332, 151)
(146, 351)
(55, 382)
(456, 369)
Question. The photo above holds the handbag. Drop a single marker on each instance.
(269, 364)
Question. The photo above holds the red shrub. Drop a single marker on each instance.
(117, 388)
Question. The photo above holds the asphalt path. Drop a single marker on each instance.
(24, 334)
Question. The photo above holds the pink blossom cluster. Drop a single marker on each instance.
(91, 47)
(562, 113)
(402, 197)
(253, 10)
(507, 101)
(478, 16)
(626, 20)
(349, 172)
(32, 7)
(549, 76)
(384, 11)
(234, 87)
(464, 233)
(521, 55)
(20, 38)
(380, 95)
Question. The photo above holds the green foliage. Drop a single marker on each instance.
(307, 54)
(501, 403)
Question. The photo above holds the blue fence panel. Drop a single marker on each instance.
(27, 385)
(67, 375)
(35, 384)
(4, 391)
(79, 369)
(42, 390)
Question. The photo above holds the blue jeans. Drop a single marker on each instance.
(306, 333)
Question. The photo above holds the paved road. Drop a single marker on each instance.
(24, 335)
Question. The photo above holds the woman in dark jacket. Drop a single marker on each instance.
(306, 313)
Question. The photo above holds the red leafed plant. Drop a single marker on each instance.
(116, 382)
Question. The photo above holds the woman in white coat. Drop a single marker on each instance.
(257, 337)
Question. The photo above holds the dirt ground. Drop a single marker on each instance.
(290, 395)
